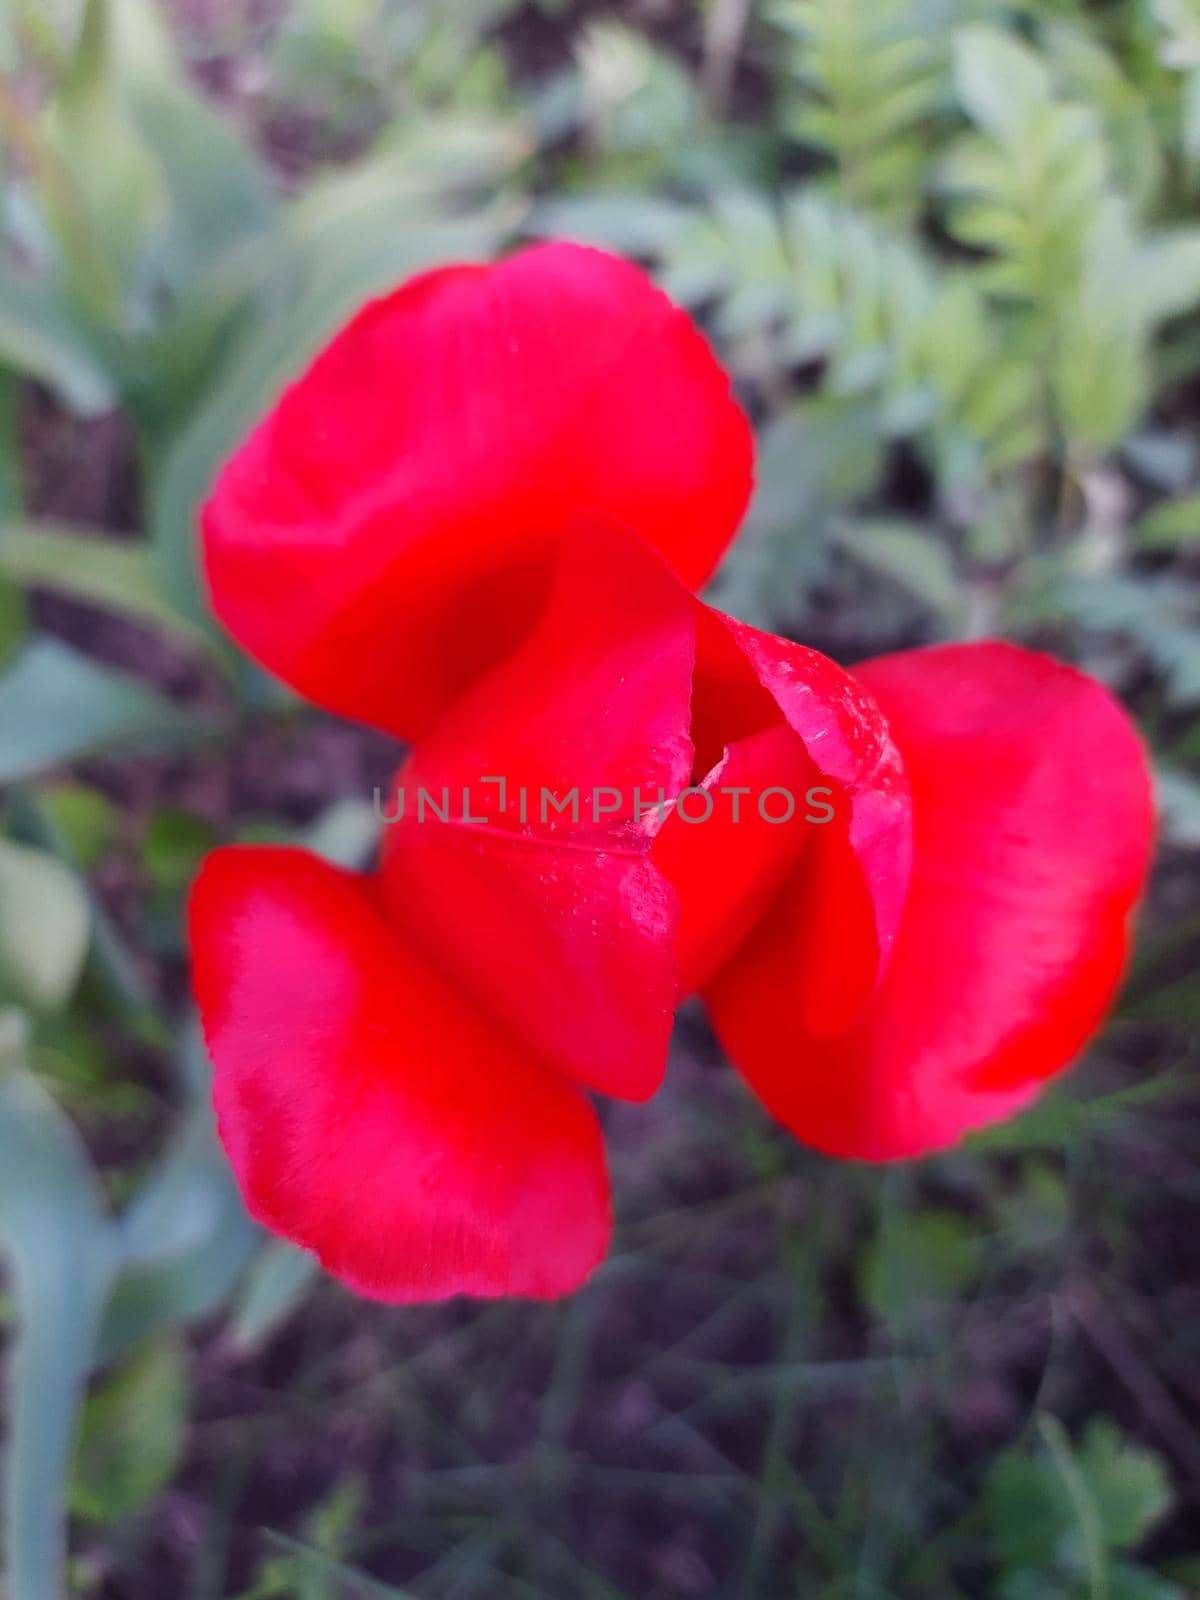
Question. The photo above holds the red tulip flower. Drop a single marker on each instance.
(478, 522)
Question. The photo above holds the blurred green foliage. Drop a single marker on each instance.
(948, 248)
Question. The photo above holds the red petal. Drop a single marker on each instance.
(1033, 830)
(377, 541)
(780, 716)
(840, 725)
(559, 925)
(370, 1116)
(727, 868)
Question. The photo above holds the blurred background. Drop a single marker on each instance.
(951, 251)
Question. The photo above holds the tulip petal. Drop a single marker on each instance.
(841, 726)
(369, 1115)
(823, 888)
(1033, 826)
(726, 866)
(539, 899)
(380, 538)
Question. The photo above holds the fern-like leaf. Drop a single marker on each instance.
(869, 73)
(1036, 187)
(815, 281)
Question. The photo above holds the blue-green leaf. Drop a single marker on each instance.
(183, 1240)
(44, 925)
(62, 1249)
(116, 573)
(39, 339)
(132, 1434)
(277, 1282)
(57, 705)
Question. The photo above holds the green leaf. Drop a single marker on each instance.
(44, 926)
(1155, 613)
(1171, 522)
(307, 1567)
(1135, 1583)
(313, 1571)
(1060, 1510)
(1101, 375)
(1036, 1214)
(1093, 74)
(910, 556)
(1179, 805)
(999, 81)
(132, 1435)
(1130, 1486)
(634, 97)
(624, 220)
(919, 1259)
(11, 466)
(276, 1283)
(50, 29)
(117, 573)
(345, 833)
(1026, 1585)
(219, 193)
(868, 75)
(39, 339)
(1168, 283)
(72, 836)
(108, 193)
(183, 1240)
(84, 820)
(10, 55)
(172, 848)
(57, 705)
(809, 458)
(62, 1250)
(1190, 119)
(14, 621)
(1026, 1510)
